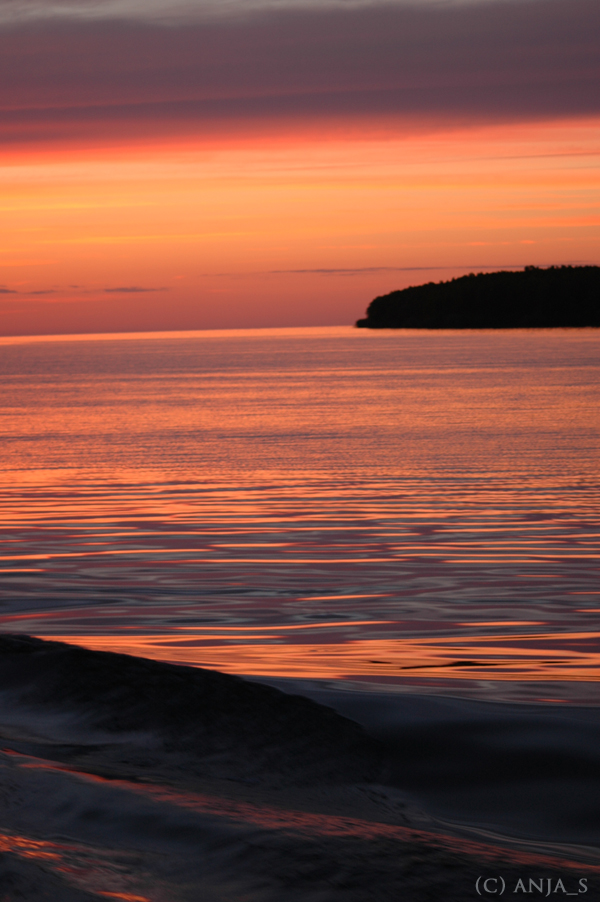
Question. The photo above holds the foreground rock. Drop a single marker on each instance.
(223, 726)
(130, 779)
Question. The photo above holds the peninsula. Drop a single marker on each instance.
(559, 296)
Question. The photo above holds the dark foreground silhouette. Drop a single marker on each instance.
(561, 296)
(133, 779)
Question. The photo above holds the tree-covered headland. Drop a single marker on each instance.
(559, 296)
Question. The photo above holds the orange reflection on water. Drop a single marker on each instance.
(287, 626)
(298, 822)
(503, 623)
(79, 866)
(522, 657)
(127, 897)
(28, 848)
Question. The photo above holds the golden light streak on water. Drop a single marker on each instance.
(525, 657)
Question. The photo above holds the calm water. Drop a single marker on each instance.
(408, 510)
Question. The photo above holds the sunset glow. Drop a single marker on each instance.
(299, 570)
(290, 232)
(184, 187)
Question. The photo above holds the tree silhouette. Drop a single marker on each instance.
(531, 298)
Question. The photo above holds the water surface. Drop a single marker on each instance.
(406, 511)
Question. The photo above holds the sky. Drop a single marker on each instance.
(233, 164)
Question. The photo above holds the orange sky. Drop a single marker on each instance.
(295, 219)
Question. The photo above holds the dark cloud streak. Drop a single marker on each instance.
(357, 271)
(131, 289)
(499, 60)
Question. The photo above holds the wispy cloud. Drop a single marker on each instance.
(365, 270)
(355, 271)
(172, 11)
(77, 291)
(485, 61)
(131, 289)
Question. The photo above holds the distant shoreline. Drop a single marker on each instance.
(557, 297)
